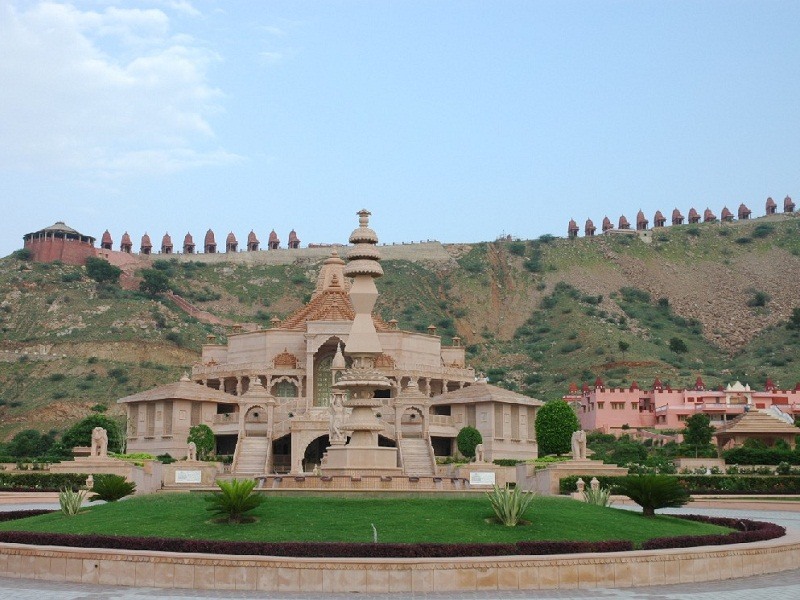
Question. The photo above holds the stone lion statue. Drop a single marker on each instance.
(191, 451)
(99, 443)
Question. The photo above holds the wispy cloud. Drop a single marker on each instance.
(271, 57)
(110, 91)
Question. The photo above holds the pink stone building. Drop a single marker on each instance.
(615, 410)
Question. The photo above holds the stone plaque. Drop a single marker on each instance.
(481, 478)
(188, 477)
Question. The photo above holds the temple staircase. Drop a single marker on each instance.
(251, 456)
(417, 457)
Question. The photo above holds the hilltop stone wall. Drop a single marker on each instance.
(425, 251)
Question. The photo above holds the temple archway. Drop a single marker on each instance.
(256, 421)
(323, 377)
(412, 422)
(282, 454)
(312, 457)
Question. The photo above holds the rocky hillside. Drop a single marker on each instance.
(711, 300)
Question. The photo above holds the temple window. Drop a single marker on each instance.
(285, 389)
(322, 381)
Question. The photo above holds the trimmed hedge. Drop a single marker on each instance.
(747, 531)
(13, 515)
(709, 484)
(309, 549)
(41, 482)
(760, 456)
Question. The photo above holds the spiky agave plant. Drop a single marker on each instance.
(599, 497)
(235, 498)
(71, 501)
(509, 504)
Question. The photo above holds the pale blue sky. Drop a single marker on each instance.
(457, 120)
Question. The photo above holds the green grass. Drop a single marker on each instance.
(314, 518)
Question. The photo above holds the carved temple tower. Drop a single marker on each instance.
(362, 453)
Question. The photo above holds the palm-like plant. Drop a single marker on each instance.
(653, 491)
(235, 498)
(509, 504)
(111, 488)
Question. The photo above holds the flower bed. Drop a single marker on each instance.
(747, 531)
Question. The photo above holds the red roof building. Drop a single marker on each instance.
(231, 245)
(188, 244)
(209, 243)
(772, 208)
(59, 242)
(572, 229)
(146, 247)
(744, 212)
(641, 221)
(126, 245)
(252, 241)
(166, 244)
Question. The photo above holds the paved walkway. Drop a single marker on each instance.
(780, 586)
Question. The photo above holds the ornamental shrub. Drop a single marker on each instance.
(111, 488)
(235, 498)
(466, 441)
(652, 492)
(555, 423)
(71, 501)
(509, 504)
(599, 497)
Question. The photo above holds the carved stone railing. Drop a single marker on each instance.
(442, 420)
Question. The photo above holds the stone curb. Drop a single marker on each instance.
(426, 575)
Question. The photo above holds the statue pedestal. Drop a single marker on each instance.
(546, 481)
(95, 465)
(147, 477)
(502, 475)
(361, 460)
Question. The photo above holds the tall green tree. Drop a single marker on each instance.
(80, 434)
(102, 271)
(29, 444)
(154, 282)
(203, 439)
(555, 424)
(698, 430)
